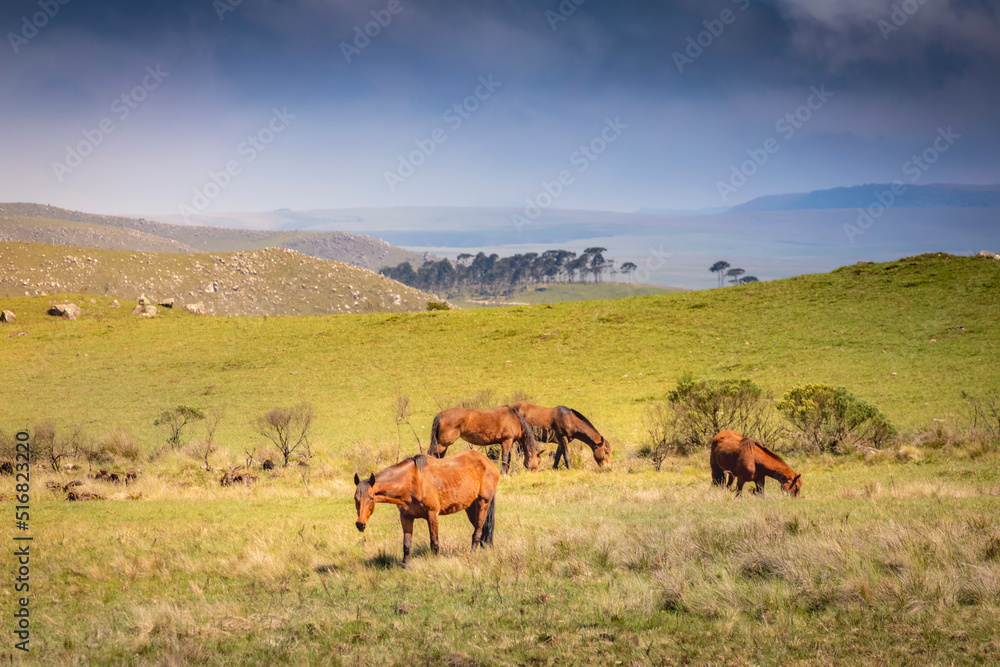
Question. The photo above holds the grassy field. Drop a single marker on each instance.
(559, 292)
(891, 560)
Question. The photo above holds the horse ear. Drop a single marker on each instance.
(796, 478)
(371, 480)
(357, 480)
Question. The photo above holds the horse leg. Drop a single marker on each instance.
(432, 525)
(564, 448)
(759, 491)
(718, 474)
(407, 522)
(472, 511)
(505, 455)
(739, 486)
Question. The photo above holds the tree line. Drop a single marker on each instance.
(495, 275)
(731, 274)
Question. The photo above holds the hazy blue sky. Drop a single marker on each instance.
(218, 82)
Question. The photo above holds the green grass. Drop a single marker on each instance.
(559, 292)
(886, 561)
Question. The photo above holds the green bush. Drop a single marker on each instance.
(826, 417)
(699, 409)
(438, 305)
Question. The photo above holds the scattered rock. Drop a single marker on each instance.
(196, 308)
(7, 316)
(70, 311)
(268, 464)
(93, 300)
(987, 253)
(144, 310)
(167, 303)
(82, 495)
(114, 304)
(143, 301)
(6, 468)
(397, 300)
(237, 475)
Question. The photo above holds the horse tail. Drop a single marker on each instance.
(528, 437)
(486, 538)
(432, 450)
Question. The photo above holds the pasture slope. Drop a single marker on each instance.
(890, 561)
(273, 281)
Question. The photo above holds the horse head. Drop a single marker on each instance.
(364, 500)
(602, 453)
(532, 459)
(793, 486)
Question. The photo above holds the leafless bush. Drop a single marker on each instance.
(402, 416)
(663, 424)
(984, 413)
(516, 396)
(204, 448)
(484, 399)
(55, 447)
(287, 429)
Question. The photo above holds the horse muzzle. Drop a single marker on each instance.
(361, 526)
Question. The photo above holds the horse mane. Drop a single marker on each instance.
(420, 461)
(580, 417)
(528, 439)
(763, 448)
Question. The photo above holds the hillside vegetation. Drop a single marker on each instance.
(49, 224)
(908, 336)
(274, 281)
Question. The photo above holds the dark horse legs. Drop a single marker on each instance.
(407, 522)
(562, 451)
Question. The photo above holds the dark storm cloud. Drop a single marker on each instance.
(934, 64)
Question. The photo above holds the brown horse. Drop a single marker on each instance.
(501, 426)
(561, 425)
(747, 460)
(425, 488)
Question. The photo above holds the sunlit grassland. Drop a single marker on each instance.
(887, 563)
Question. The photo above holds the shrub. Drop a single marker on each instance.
(175, 420)
(287, 429)
(662, 423)
(116, 443)
(701, 408)
(825, 417)
(53, 447)
(438, 305)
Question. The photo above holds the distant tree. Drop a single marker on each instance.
(748, 279)
(627, 268)
(53, 447)
(720, 269)
(734, 275)
(463, 258)
(175, 420)
(286, 428)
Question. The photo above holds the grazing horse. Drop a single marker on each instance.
(425, 488)
(482, 428)
(747, 460)
(560, 425)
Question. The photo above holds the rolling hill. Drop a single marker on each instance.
(273, 281)
(49, 224)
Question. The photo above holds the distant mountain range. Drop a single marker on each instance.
(862, 196)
